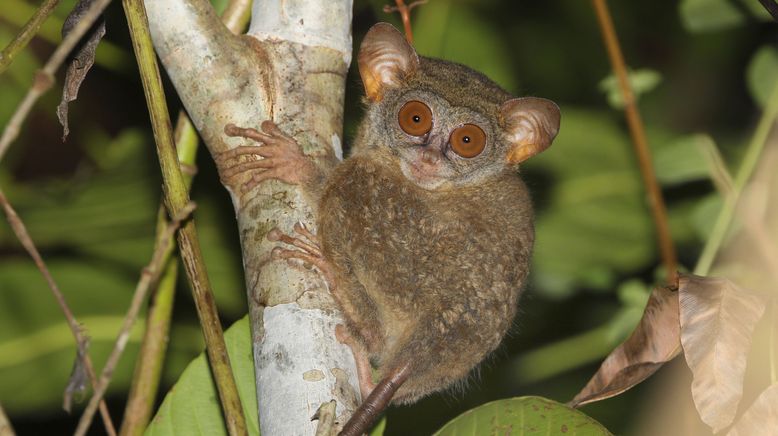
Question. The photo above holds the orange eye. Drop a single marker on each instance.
(468, 140)
(415, 118)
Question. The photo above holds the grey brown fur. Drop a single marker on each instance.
(436, 275)
(426, 251)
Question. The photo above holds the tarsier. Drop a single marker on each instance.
(425, 232)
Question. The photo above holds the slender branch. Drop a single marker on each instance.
(26, 34)
(405, 15)
(771, 7)
(150, 360)
(176, 198)
(150, 275)
(20, 230)
(110, 56)
(5, 424)
(151, 356)
(747, 166)
(44, 79)
(637, 132)
(152, 352)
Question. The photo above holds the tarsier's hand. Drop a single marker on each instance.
(276, 156)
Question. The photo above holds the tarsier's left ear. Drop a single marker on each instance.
(385, 59)
(531, 124)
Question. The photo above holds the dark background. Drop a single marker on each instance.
(701, 67)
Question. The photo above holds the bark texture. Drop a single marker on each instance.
(290, 68)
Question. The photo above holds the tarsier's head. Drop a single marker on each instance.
(449, 125)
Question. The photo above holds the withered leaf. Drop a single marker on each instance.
(655, 341)
(78, 381)
(80, 60)
(761, 419)
(717, 320)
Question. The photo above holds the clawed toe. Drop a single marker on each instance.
(307, 249)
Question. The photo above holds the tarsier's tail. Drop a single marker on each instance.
(376, 402)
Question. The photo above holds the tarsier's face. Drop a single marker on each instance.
(447, 124)
(437, 142)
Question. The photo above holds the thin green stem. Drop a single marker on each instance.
(108, 55)
(564, 355)
(20, 230)
(150, 274)
(148, 369)
(26, 34)
(747, 166)
(176, 199)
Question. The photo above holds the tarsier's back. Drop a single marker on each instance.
(428, 225)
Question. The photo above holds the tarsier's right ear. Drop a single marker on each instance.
(385, 59)
(531, 124)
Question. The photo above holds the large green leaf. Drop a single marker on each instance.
(523, 416)
(762, 74)
(713, 15)
(684, 160)
(596, 224)
(192, 407)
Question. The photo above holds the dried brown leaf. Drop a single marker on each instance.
(655, 341)
(80, 61)
(717, 320)
(78, 380)
(761, 419)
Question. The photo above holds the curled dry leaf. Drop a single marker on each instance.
(717, 320)
(654, 341)
(761, 419)
(80, 61)
(79, 378)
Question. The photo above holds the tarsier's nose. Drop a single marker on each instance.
(430, 156)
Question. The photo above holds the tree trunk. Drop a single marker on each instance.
(291, 69)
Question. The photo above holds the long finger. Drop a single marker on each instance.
(248, 166)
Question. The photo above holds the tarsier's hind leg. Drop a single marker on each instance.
(347, 292)
(364, 369)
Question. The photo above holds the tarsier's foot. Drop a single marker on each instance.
(364, 369)
(276, 156)
(308, 250)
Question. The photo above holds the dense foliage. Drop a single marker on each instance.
(702, 68)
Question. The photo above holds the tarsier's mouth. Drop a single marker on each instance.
(423, 174)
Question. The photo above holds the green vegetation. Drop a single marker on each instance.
(703, 71)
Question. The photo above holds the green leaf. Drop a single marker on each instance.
(713, 15)
(523, 416)
(36, 346)
(455, 32)
(642, 81)
(192, 406)
(379, 428)
(683, 160)
(596, 225)
(704, 215)
(762, 74)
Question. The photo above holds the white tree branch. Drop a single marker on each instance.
(291, 69)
